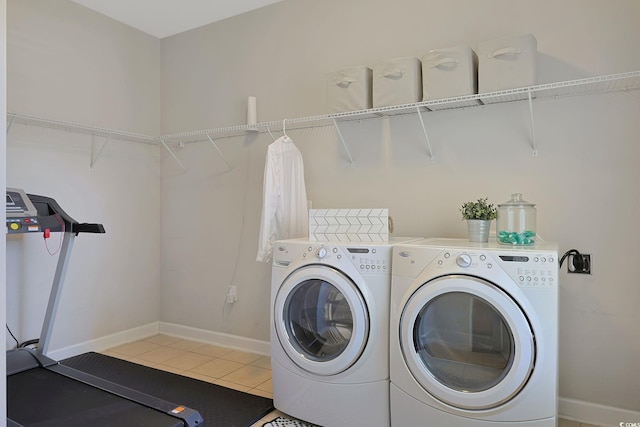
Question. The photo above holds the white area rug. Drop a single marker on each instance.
(286, 422)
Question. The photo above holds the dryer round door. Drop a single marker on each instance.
(467, 342)
(321, 320)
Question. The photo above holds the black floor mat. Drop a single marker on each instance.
(219, 406)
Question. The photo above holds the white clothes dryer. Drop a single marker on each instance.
(330, 331)
(474, 334)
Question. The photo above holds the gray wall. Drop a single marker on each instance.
(68, 63)
(582, 181)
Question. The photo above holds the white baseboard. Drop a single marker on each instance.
(141, 332)
(217, 338)
(103, 343)
(595, 414)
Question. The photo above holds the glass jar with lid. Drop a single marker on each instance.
(516, 222)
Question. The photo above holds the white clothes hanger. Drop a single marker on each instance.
(284, 131)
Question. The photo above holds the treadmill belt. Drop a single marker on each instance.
(219, 406)
(39, 397)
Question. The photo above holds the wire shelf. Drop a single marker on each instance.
(78, 128)
(608, 83)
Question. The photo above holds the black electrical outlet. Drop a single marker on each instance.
(579, 263)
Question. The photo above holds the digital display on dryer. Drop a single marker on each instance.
(358, 250)
(513, 258)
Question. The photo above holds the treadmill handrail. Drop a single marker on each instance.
(52, 216)
(86, 227)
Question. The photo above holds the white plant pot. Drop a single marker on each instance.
(479, 230)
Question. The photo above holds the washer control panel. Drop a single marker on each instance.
(367, 259)
(527, 269)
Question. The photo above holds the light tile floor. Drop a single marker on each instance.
(230, 368)
(239, 370)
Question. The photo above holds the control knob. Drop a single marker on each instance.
(321, 252)
(463, 260)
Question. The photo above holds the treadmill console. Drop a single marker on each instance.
(22, 215)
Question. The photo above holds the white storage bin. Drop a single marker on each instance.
(507, 63)
(449, 73)
(349, 225)
(397, 81)
(349, 90)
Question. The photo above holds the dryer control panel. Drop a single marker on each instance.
(531, 269)
(528, 269)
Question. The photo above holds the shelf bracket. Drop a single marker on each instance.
(426, 136)
(13, 117)
(173, 155)
(95, 158)
(344, 144)
(229, 167)
(533, 127)
(270, 134)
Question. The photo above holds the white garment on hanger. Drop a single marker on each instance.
(284, 208)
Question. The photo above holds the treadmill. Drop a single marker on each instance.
(42, 392)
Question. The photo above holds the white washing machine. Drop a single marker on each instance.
(330, 331)
(474, 334)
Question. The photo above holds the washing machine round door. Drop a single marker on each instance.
(321, 320)
(467, 342)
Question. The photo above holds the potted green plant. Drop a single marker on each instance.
(479, 215)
